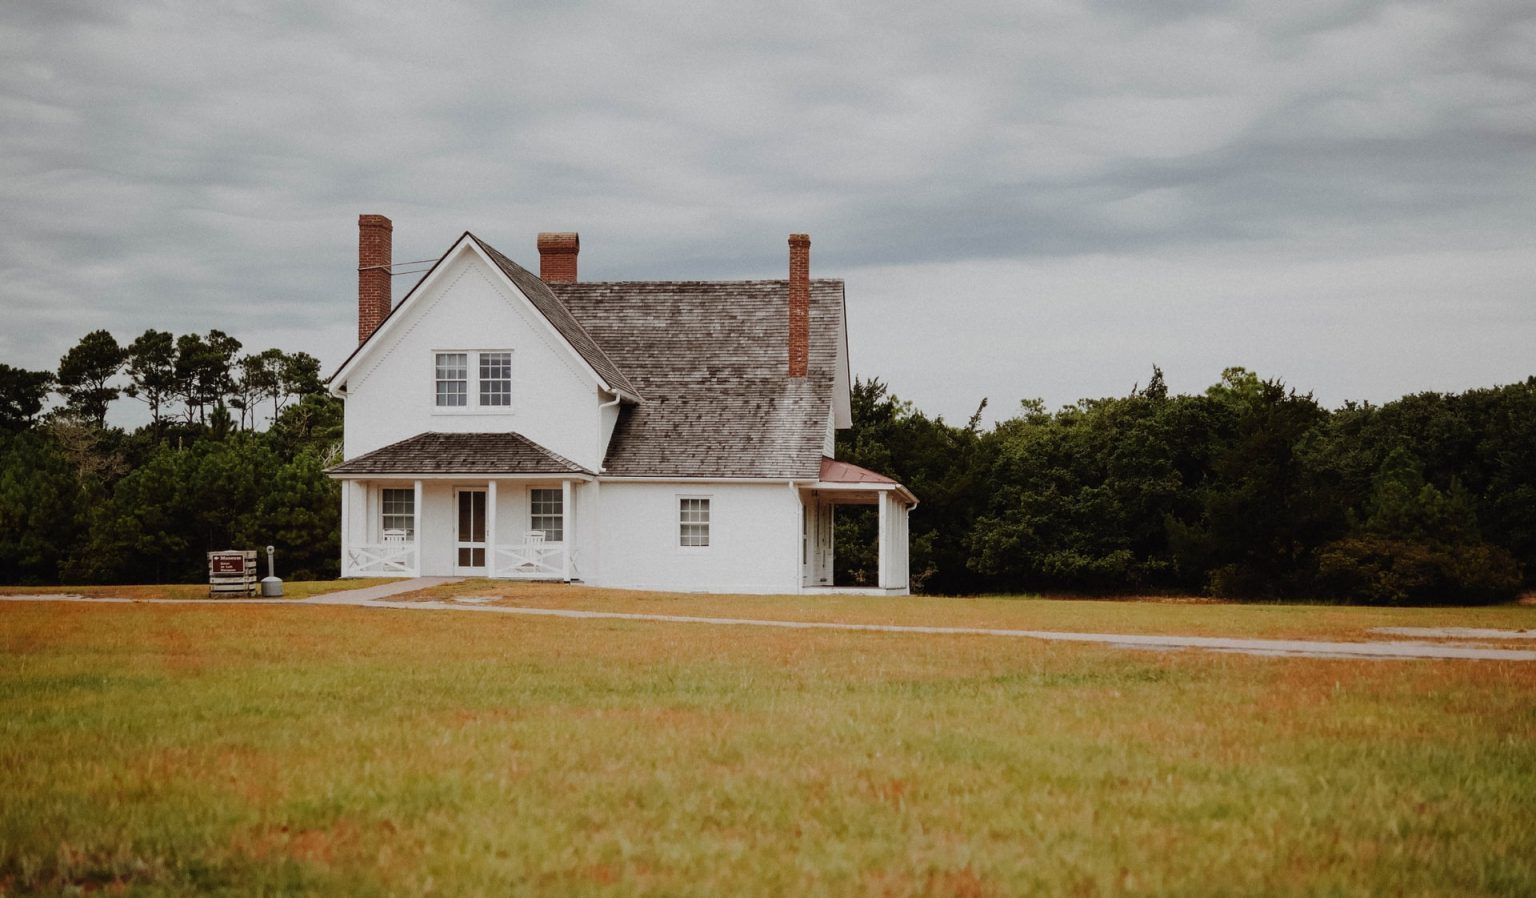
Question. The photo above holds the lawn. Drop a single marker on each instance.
(159, 749)
(292, 589)
(1189, 616)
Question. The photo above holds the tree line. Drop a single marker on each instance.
(1249, 490)
(233, 456)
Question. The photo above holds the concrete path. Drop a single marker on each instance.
(1455, 632)
(379, 597)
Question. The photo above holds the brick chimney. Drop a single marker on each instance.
(374, 236)
(799, 304)
(557, 257)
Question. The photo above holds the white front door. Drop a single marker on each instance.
(469, 537)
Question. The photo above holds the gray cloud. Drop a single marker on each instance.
(1010, 188)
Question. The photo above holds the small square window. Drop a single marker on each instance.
(693, 522)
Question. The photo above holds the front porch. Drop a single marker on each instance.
(504, 527)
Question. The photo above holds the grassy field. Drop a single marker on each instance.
(1196, 617)
(292, 589)
(153, 749)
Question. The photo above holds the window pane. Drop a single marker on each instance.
(693, 522)
(495, 378)
(547, 513)
(398, 512)
(452, 378)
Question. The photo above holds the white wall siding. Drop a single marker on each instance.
(754, 538)
(471, 307)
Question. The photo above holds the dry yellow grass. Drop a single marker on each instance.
(292, 589)
(257, 749)
(1196, 617)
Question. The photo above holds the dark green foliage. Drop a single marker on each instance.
(22, 393)
(86, 372)
(1250, 490)
(83, 502)
(152, 370)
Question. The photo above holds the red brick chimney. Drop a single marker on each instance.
(557, 257)
(799, 304)
(374, 236)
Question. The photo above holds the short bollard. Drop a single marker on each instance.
(271, 584)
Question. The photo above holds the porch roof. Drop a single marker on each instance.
(842, 475)
(460, 453)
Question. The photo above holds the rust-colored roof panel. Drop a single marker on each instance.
(834, 471)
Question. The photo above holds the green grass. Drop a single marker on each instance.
(256, 749)
(292, 589)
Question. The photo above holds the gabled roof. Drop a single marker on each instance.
(461, 453)
(542, 300)
(552, 309)
(710, 357)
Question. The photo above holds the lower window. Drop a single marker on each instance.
(398, 519)
(547, 509)
(693, 522)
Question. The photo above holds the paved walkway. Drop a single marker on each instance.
(378, 597)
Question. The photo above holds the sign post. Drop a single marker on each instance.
(232, 573)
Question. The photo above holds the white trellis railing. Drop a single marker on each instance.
(387, 559)
(531, 559)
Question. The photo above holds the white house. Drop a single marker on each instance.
(645, 434)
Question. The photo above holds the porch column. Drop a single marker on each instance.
(887, 518)
(346, 525)
(416, 510)
(568, 511)
(490, 528)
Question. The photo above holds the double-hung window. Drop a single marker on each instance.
(495, 378)
(548, 513)
(398, 517)
(452, 379)
(465, 379)
(693, 522)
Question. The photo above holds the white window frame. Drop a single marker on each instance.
(473, 359)
(385, 514)
(707, 523)
(438, 380)
(534, 515)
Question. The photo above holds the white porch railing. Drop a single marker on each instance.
(531, 559)
(389, 559)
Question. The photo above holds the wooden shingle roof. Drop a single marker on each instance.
(710, 358)
(461, 453)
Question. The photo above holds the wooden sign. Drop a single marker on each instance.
(232, 573)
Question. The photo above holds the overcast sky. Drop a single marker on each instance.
(1026, 199)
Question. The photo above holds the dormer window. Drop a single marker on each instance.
(472, 379)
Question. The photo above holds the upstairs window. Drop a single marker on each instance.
(472, 379)
(452, 379)
(495, 378)
(693, 522)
